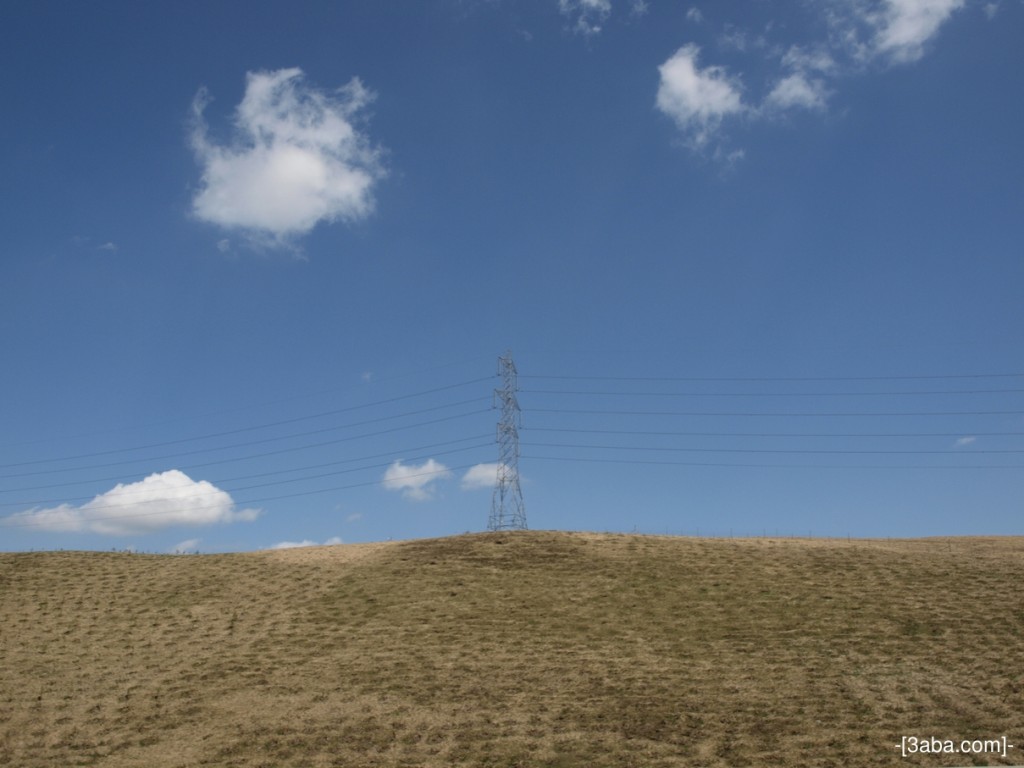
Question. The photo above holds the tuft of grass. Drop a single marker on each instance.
(514, 649)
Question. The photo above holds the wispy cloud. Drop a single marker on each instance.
(297, 159)
(638, 8)
(307, 543)
(902, 28)
(885, 32)
(415, 482)
(88, 243)
(798, 90)
(184, 547)
(588, 16)
(162, 500)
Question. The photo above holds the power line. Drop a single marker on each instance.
(358, 469)
(775, 414)
(931, 377)
(814, 451)
(747, 465)
(972, 433)
(224, 481)
(262, 441)
(253, 428)
(634, 393)
(35, 524)
(131, 498)
(260, 404)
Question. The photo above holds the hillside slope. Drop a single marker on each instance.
(517, 649)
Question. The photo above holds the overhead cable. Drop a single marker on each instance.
(278, 438)
(446, 470)
(256, 427)
(225, 481)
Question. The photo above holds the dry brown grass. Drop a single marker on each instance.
(524, 649)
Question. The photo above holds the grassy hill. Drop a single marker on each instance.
(517, 649)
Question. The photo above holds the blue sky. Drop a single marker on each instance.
(759, 264)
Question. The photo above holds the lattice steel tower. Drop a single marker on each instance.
(507, 509)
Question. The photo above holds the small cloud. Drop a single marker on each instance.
(968, 440)
(297, 159)
(859, 33)
(184, 547)
(88, 243)
(809, 60)
(480, 476)
(590, 15)
(905, 26)
(366, 376)
(293, 544)
(307, 543)
(893, 31)
(697, 99)
(797, 90)
(639, 8)
(354, 517)
(162, 500)
(224, 245)
(415, 482)
(733, 38)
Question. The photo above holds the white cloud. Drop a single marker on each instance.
(893, 31)
(480, 476)
(860, 33)
(415, 482)
(816, 59)
(962, 441)
(294, 544)
(297, 159)
(188, 545)
(307, 543)
(162, 500)
(797, 90)
(903, 27)
(742, 40)
(589, 14)
(354, 517)
(696, 99)
(804, 86)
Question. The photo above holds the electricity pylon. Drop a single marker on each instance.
(507, 509)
